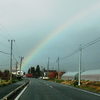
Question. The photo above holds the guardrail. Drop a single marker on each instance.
(8, 96)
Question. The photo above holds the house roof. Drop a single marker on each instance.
(70, 74)
(90, 72)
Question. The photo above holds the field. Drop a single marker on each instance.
(88, 85)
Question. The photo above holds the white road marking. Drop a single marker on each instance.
(89, 92)
(20, 93)
(51, 86)
(30, 82)
(47, 84)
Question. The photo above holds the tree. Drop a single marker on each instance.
(52, 74)
(33, 70)
(29, 71)
(6, 73)
(1, 74)
(38, 71)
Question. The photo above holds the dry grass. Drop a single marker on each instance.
(67, 82)
(5, 82)
(89, 85)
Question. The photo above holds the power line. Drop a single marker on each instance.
(91, 43)
(85, 46)
(4, 65)
(14, 58)
(4, 45)
(4, 36)
(6, 33)
(70, 54)
(17, 49)
(4, 52)
(77, 50)
(52, 63)
(15, 52)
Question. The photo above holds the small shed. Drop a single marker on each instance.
(93, 75)
(69, 76)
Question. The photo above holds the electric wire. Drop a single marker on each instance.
(3, 36)
(4, 65)
(17, 49)
(83, 47)
(14, 58)
(6, 36)
(4, 52)
(91, 43)
(78, 49)
(6, 33)
(4, 45)
(52, 63)
(15, 53)
(71, 54)
(14, 62)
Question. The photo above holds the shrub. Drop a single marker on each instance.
(75, 83)
(4, 84)
(59, 81)
(14, 80)
(52, 74)
(6, 80)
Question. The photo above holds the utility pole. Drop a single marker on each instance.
(48, 67)
(21, 64)
(42, 72)
(79, 75)
(11, 60)
(16, 67)
(58, 67)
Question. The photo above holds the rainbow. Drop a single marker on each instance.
(58, 30)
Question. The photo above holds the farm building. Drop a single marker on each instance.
(69, 75)
(93, 75)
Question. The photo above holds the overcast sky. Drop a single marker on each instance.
(68, 22)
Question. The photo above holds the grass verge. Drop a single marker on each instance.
(7, 82)
(88, 85)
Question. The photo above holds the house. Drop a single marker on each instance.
(46, 72)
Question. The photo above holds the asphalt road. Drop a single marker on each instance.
(45, 90)
(7, 89)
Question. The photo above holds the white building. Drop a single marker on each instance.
(18, 73)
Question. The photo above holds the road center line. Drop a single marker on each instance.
(51, 86)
